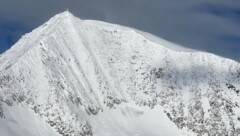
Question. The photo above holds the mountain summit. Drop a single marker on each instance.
(72, 77)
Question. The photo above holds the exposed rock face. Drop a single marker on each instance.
(69, 71)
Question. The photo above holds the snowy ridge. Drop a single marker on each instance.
(84, 77)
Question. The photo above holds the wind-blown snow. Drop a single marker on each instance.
(84, 77)
(22, 121)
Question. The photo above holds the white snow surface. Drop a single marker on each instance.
(74, 77)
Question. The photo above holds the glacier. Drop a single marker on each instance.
(73, 77)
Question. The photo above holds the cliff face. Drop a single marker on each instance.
(82, 77)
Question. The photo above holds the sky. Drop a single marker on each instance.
(207, 25)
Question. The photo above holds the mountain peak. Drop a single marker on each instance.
(33, 38)
(65, 14)
(87, 78)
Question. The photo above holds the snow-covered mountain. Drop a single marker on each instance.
(73, 77)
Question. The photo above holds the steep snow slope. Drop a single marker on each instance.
(84, 77)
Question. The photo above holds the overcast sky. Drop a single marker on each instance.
(208, 25)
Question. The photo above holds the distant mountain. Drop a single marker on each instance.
(72, 77)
